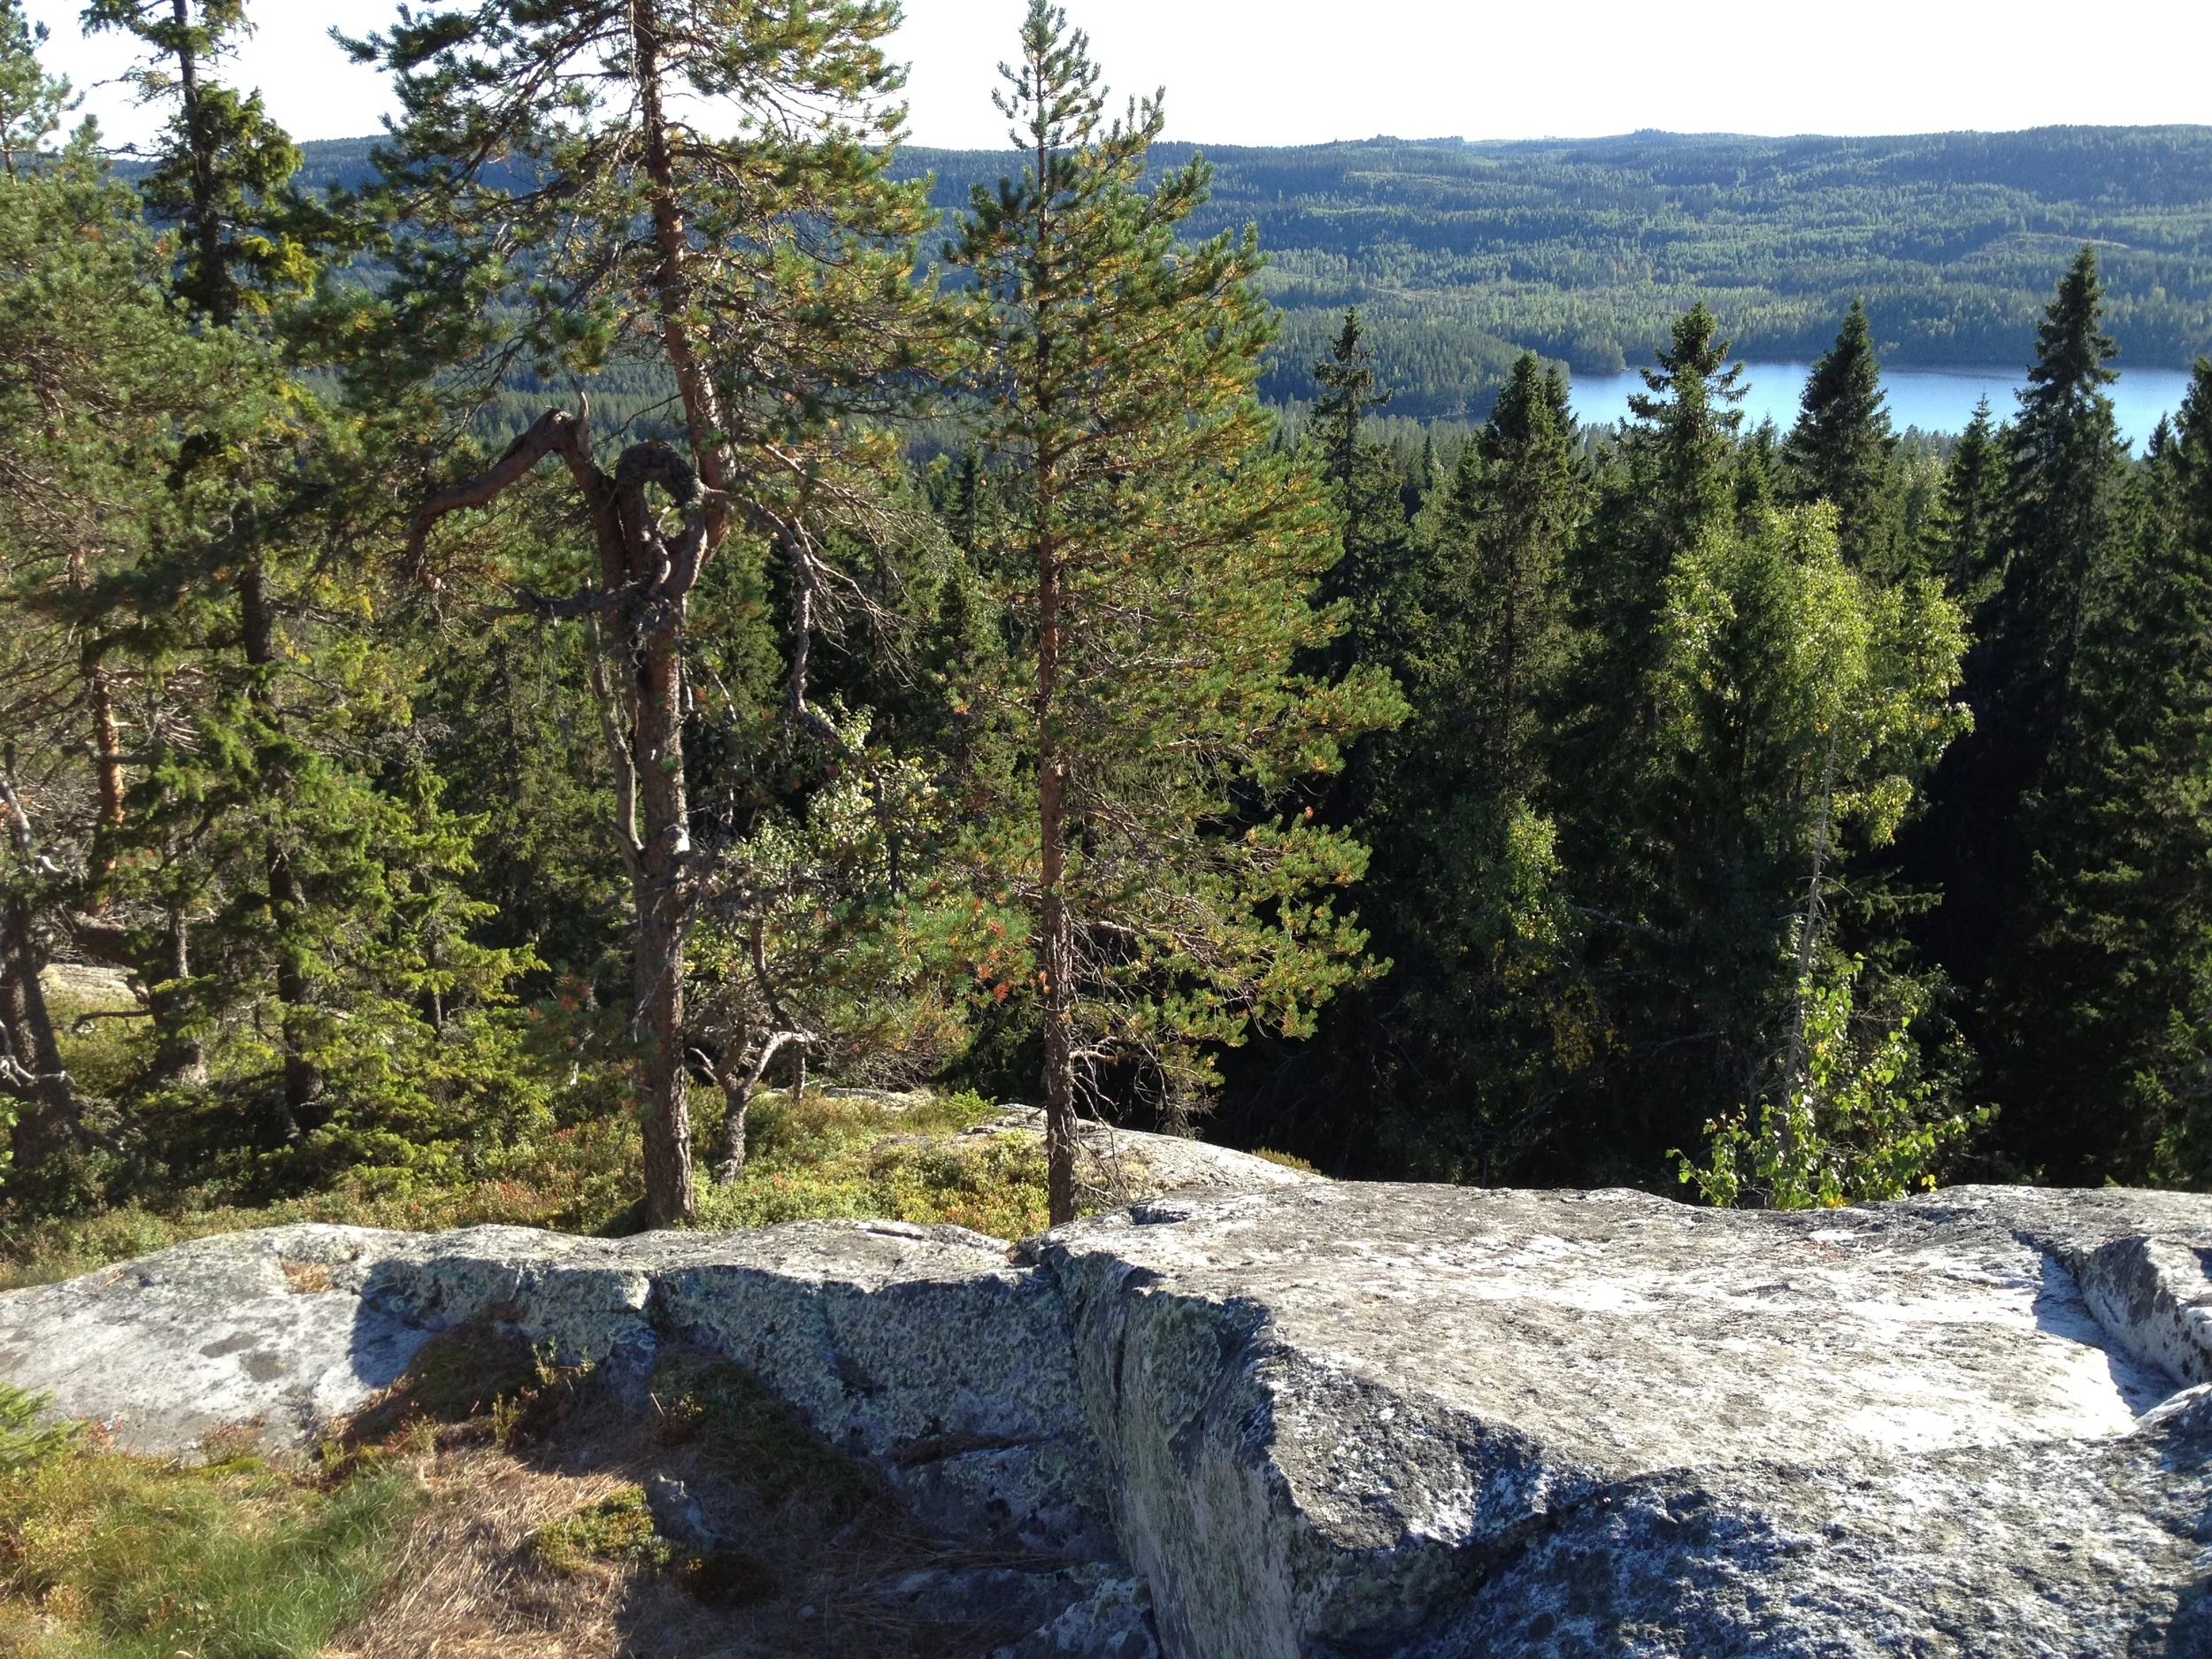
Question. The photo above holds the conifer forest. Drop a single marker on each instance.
(635, 592)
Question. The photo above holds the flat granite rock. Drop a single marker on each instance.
(1421, 1421)
(1304, 1418)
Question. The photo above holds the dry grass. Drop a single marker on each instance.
(808, 1547)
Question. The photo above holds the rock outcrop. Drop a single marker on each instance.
(1345, 1419)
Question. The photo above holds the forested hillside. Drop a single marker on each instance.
(1462, 256)
(486, 669)
(1584, 250)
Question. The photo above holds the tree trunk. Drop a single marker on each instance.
(304, 1108)
(34, 1073)
(737, 1105)
(664, 833)
(107, 744)
(1056, 943)
(1059, 1074)
(177, 1057)
(205, 228)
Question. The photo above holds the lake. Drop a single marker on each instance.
(1934, 400)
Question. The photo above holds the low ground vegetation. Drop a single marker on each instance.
(492, 1503)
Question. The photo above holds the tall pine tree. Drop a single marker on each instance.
(1156, 561)
(567, 207)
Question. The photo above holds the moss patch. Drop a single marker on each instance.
(616, 1530)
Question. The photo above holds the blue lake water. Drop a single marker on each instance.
(1934, 400)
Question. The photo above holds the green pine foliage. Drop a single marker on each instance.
(1156, 561)
(32, 101)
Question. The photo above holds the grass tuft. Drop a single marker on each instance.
(24, 1439)
(130, 1559)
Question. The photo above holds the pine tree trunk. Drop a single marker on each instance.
(664, 833)
(107, 742)
(1057, 943)
(1059, 1069)
(107, 761)
(206, 230)
(737, 1105)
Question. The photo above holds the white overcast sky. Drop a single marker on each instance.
(1307, 71)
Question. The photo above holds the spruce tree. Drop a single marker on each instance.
(2065, 474)
(1671, 486)
(1744, 711)
(1838, 450)
(2101, 1020)
(1363, 479)
(1972, 504)
(1156, 560)
(224, 170)
(1498, 592)
(1481, 1025)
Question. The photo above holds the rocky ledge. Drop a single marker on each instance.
(1319, 1419)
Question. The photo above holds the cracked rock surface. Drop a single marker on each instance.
(1308, 1418)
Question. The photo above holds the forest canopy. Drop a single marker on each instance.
(636, 601)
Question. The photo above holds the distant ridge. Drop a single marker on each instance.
(1463, 253)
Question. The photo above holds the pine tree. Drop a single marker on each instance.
(32, 101)
(102, 379)
(2101, 1020)
(1157, 563)
(1838, 450)
(564, 210)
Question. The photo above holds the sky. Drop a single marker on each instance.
(1290, 72)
